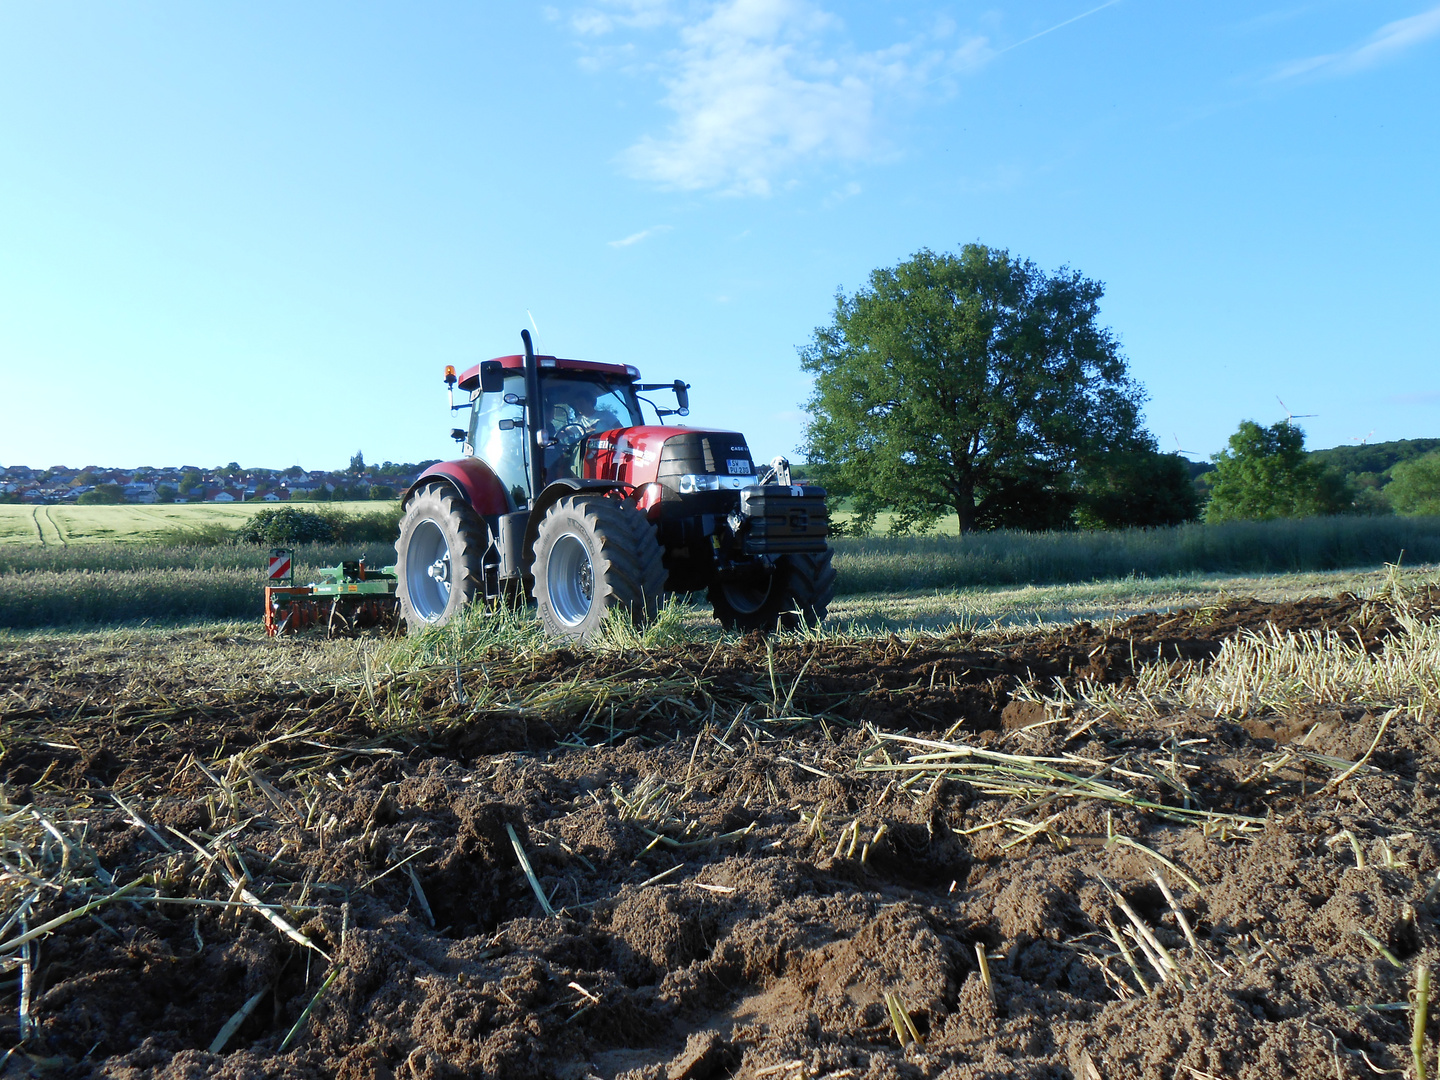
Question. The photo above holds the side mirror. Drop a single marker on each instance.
(682, 397)
(492, 377)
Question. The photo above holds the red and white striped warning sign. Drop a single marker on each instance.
(279, 567)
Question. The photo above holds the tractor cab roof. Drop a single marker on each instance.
(470, 380)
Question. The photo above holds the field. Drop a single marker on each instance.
(1196, 844)
(132, 523)
(884, 583)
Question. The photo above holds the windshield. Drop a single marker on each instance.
(586, 402)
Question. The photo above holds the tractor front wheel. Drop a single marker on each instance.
(438, 557)
(593, 555)
(797, 594)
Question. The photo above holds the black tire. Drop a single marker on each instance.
(593, 555)
(438, 557)
(797, 594)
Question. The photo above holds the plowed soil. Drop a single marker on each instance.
(740, 881)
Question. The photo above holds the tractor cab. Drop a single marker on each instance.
(578, 399)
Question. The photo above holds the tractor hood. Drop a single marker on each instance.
(643, 455)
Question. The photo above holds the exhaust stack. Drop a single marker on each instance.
(532, 417)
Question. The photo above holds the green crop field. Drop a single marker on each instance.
(133, 523)
(108, 565)
(949, 525)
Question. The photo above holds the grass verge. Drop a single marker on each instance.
(1028, 605)
(907, 564)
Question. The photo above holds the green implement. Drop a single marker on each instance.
(347, 598)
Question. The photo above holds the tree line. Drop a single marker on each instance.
(976, 385)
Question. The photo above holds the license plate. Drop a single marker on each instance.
(738, 467)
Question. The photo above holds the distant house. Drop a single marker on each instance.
(270, 496)
(223, 497)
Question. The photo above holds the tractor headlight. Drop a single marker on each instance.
(690, 483)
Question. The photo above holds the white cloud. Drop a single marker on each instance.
(613, 14)
(762, 89)
(754, 94)
(643, 234)
(973, 53)
(1383, 45)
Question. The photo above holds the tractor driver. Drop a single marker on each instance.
(572, 411)
(572, 404)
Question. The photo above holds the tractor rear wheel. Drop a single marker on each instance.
(797, 594)
(593, 555)
(438, 557)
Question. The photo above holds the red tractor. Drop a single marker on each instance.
(565, 494)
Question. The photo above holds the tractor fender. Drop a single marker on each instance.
(474, 481)
(553, 493)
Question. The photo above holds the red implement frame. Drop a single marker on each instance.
(292, 608)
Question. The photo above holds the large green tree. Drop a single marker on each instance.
(1136, 489)
(970, 383)
(1265, 473)
(1414, 486)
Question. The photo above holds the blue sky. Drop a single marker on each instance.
(257, 232)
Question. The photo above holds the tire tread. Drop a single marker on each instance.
(440, 501)
(628, 566)
(800, 596)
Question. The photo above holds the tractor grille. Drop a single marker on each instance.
(707, 453)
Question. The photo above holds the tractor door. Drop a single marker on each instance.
(503, 446)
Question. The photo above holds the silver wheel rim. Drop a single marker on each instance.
(747, 599)
(427, 571)
(570, 580)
